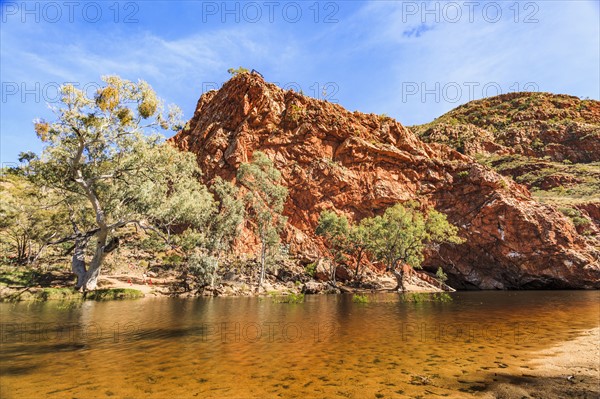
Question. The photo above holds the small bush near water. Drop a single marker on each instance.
(419, 297)
(360, 298)
(289, 298)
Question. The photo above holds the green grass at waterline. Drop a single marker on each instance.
(70, 294)
(418, 297)
(114, 293)
(291, 297)
(356, 298)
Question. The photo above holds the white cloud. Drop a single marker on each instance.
(368, 54)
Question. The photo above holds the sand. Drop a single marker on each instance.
(569, 370)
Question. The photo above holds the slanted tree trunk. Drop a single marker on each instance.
(399, 274)
(90, 280)
(78, 261)
(357, 273)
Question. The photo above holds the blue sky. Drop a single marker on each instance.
(412, 60)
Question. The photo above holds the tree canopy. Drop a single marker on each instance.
(105, 155)
(399, 236)
(265, 198)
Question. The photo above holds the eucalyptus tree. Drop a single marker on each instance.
(106, 155)
(228, 217)
(335, 229)
(265, 198)
(345, 240)
(401, 235)
(359, 238)
(28, 216)
(219, 235)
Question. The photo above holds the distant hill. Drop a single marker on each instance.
(548, 142)
(558, 127)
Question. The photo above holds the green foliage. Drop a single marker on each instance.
(166, 191)
(570, 212)
(443, 277)
(537, 144)
(203, 268)
(398, 237)
(359, 239)
(335, 230)
(237, 71)
(107, 294)
(541, 176)
(152, 243)
(49, 294)
(576, 217)
(71, 295)
(356, 298)
(229, 215)
(19, 276)
(344, 239)
(580, 221)
(29, 215)
(265, 198)
(188, 240)
(291, 297)
(105, 158)
(26, 157)
(442, 297)
(463, 174)
(311, 269)
(384, 117)
(419, 297)
(173, 259)
(402, 233)
(295, 112)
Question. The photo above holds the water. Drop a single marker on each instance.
(257, 348)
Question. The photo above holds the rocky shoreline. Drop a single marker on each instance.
(126, 286)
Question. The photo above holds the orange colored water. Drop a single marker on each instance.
(327, 346)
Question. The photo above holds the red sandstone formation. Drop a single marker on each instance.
(360, 164)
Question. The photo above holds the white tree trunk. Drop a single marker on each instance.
(78, 262)
(333, 270)
(263, 258)
(91, 276)
(399, 274)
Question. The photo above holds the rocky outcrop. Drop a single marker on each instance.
(360, 164)
(548, 142)
(558, 127)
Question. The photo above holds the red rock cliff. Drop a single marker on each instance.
(361, 164)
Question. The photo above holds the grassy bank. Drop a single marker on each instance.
(66, 294)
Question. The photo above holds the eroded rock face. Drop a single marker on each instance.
(556, 126)
(360, 164)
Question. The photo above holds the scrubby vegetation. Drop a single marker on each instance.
(108, 194)
(265, 198)
(419, 297)
(357, 298)
(237, 71)
(398, 237)
(105, 182)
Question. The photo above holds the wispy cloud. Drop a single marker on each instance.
(371, 54)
